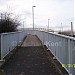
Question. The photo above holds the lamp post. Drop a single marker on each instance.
(33, 15)
(48, 24)
(48, 31)
(72, 29)
(23, 25)
(61, 27)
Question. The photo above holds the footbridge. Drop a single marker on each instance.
(34, 52)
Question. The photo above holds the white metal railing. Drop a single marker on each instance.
(61, 46)
(40, 29)
(0, 46)
(9, 41)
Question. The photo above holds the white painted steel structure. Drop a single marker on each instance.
(61, 46)
(9, 41)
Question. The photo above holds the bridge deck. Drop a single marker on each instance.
(31, 40)
(30, 59)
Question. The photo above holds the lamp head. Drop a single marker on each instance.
(34, 6)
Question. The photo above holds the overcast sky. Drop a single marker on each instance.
(56, 10)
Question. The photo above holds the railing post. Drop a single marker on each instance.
(69, 54)
(1, 46)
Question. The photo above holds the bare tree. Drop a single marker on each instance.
(7, 24)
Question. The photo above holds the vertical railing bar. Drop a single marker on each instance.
(1, 46)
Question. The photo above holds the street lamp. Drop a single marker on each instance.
(48, 24)
(48, 31)
(61, 27)
(33, 15)
(23, 25)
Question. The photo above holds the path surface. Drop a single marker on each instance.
(30, 60)
(31, 40)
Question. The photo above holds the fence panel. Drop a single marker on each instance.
(62, 47)
(10, 40)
